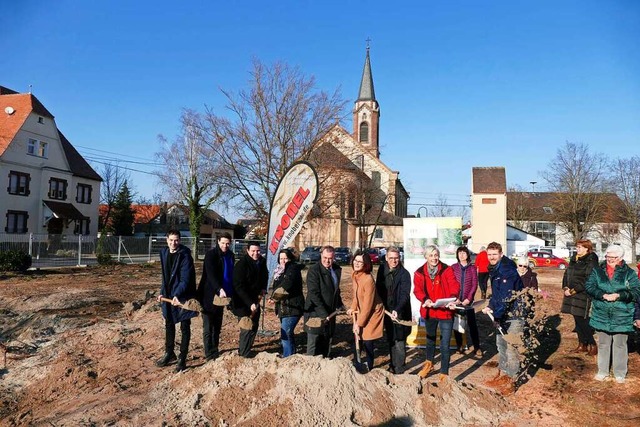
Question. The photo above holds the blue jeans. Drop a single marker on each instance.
(446, 327)
(287, 325)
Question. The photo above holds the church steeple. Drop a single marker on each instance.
(367, 93)
(366, 112)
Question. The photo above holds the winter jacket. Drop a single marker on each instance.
(613, 317)
(482, 262)
(470, 285)
(395, 296)
(574, 278)
(291, 281)
(505, 280)
(367, 303)
(323, 298)
(180, 282)
(530, 279)
(212, 276)
(250, 279)
(444, 285)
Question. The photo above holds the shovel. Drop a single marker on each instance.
(191, 305)
(399, 321)
(317, 322)
(493, 320)
(360, 367)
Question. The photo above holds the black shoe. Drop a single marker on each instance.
(212, 356)
(391, 369)
(181, 366)
(166, 359)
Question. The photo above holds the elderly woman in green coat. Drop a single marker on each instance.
(614, 287)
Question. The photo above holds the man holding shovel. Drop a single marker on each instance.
(393, 284)
(323, 298)
(178, 284)
(505, 281)
(250, 277)
(216, 281)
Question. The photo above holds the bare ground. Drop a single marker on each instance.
(80, 345)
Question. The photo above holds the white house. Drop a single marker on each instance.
(50, 187)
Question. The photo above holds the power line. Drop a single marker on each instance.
(110, 152)
(123, 167)
(115, 160)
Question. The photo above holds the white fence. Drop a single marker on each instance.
(55, 250)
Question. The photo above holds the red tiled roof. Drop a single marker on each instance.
(489, 180)
(10, 124)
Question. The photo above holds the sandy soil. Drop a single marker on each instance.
(80, 344)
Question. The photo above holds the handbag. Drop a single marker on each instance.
(459, 323)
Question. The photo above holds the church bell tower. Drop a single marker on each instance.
(366, 112)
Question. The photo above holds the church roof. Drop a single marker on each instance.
(366, 84)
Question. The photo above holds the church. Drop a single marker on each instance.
(361, 201)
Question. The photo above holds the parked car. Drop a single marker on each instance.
(310, 254)
(545, 259)
(374, 254)
(343, 255)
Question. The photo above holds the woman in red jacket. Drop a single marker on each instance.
(431, 282)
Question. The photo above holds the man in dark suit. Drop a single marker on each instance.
(179, 285)
(323, 298)
(217, 279)
(250, 277)
(393, 285)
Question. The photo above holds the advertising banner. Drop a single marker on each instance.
(292, 202)
(443, 232)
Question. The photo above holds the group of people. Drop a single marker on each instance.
(602, 298)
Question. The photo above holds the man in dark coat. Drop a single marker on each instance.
(179, 285)
(393, 284)
(217, 279)
(250, 277)
(323, 298)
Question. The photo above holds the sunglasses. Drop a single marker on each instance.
(522, 265)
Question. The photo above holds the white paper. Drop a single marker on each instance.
(442, 302)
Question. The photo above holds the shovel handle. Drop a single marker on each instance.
(168, 300)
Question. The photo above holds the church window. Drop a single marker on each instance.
(364, 132)
(375, 178)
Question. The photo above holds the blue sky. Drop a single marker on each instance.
(460, 83)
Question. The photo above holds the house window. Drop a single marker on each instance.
(18, 183)
(364, 132)
(40, 119)
(83, 193)
(37, 148)
(16, 222)
(547, 209)
(378, 233)
(58, 189)
(81, 226)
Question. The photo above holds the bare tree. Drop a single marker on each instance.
(441, 207)
(191, 172)
(519, 210)
(627, 179)
(273, 124)
(580, 181)
(113, 177)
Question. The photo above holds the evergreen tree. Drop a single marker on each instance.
(122, 216)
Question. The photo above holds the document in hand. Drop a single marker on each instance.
(442, 302)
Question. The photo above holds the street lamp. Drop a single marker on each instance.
(425, 211)
(533, 186)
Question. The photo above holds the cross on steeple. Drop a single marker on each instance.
(368, 40)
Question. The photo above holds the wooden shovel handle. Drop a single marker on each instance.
(168, 300)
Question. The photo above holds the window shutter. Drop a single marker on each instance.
(28, 185)
(90, 191)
